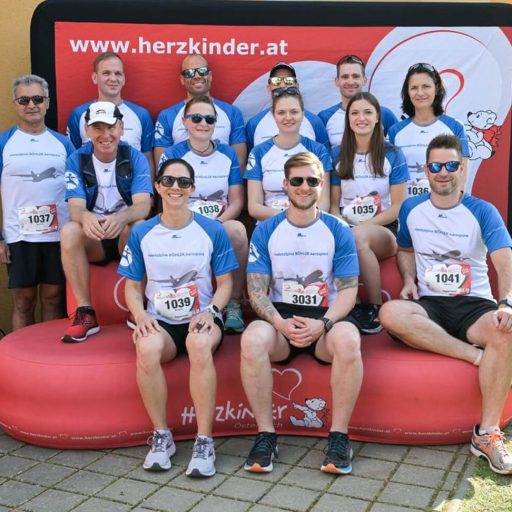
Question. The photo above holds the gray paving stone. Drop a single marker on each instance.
(308, 442)
(14, 493)
(416, 475)
(85, 482)
(77, 458)
(450, 482)
(384, 451)
(373, 468)
(278, 472)
(228, 464)
(9, 444)
(214, 503)
(460, 460)
(137, 452)
(46, 474)
(97, 505)
(291, 454)
(308, 478)
(11, 466)
(429, 457)
(205, 485)
(356, 487)
(449, 447)
(293, 498)
(116, 465)
(128, 491)
(30, 451)
(179, 499)
(4, 509)
(237, 446)
(264, 508)
(381, 507)
(154, 477)
(406, 495)
(334, 503)
(54, 501)
(441, 501)
(313, 459)
(242, 489)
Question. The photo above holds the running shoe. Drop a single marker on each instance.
(262, 452)
(491, 446)
(162, 449)
(365, 318)
(84, 324)
(202, 463)
(338, 454)
(234, 322)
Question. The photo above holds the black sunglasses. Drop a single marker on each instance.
(451, 166)
(297, 181)
(290, 91)
(191, 72)
(168, 181)
(422, 65)
(197, 118)
(25, 100)
(350, 59)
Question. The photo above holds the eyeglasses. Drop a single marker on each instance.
(451, 166)
(191, 72)
(297, 181)
(25, 100)
(422, 65)
(290, 91)
(197, 118)
(350, 59)
(278, 80)
(168, 181)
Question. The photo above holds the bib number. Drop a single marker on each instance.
(178, 304)
(449, 279)
(418, 187)
(211, 209)
(38, 220)
(315, 294)
(362, 209)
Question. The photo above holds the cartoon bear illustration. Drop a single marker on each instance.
(483, 134)
(311, 417)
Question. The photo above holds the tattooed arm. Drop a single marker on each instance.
(257, 286)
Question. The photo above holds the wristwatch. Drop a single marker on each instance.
(505, 302)
(328, 323)
(214, 311)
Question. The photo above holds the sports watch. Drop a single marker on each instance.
(327, 323)
(214, 311)
(505, 302)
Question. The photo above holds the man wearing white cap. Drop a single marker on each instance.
(108, 189)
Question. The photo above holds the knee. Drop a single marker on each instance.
(70, 234)
(500, 341)
(346, 342)
(25, 304)
(53, 298)
(199, 349)
(362, 241)
(237, 234)
(387, 315)
(149, 353)
(252, 344)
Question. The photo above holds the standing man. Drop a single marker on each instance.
(196, 77)
(32, 163)
(350, 79)
(108, 75)
(108, 189)
(183, 312)
(263, 127)
(302, 280)
(443, 240)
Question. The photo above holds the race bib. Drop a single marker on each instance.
(280, 203)
(315, 294)
(449, 279)
(418, 187)
(38, 220)
(210, 209)
(178, 304)
(362, 209)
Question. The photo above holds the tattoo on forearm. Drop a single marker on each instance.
(257, 286)
(345, 282)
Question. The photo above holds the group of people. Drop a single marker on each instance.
(330, 196)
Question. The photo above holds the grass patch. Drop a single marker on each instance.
(489, 492)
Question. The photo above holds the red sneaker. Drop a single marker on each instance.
(84, 324)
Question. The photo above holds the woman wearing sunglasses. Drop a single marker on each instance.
(265, 167)
(368, 188)
(423, 93)
(218, 191)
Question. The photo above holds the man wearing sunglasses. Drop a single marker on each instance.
(108, 189)
(350, 80)
(302, 278)
(32, 163)
(262, 126)
(196, 77)
(109, 77)
(183, 311)
(447, 306)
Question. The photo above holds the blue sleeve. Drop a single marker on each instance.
(131, 264)
(461, 134)
(73, 128)
(399, 170)
(237, 134)
(75, 188)
(249, 132)
(163, 130)
(148, 131)
(259, 258)
(326, 159)
(4, 137)
(141, 174)
(176, 151)
(345, 263)
(253, 170)
(403, 237)
(392, 133)
(235, 175)
(388, 119)
(319, 129)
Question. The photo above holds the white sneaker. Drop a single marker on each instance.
(203, 457)
(162, 449)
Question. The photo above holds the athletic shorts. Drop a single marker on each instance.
(179, 333)
(111, 250)
(393, 227)
(34, 263)
(456, 314)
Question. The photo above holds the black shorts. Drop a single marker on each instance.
(111, 249)
(393, 227)
(456, 314)
(179, 333)
(34, 263)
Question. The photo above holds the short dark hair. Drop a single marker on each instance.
(302, 159)
(445, 141)
(349, 59)
(199, 99)
(104, 56)
(173, 161)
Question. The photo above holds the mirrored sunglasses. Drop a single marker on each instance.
(168, 181)
(197, 118)
(286, 80)
(191, 72)
(451, 166)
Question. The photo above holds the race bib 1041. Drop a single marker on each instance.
(449, 279)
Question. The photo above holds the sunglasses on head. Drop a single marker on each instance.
(191, 72)
(168, 181)
(422, 66)
(451, 166)
(25, 100)
(290, 91)
(350, 59)
(297, 181)
(286, 80)
(197, 118)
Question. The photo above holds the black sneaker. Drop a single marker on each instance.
(338, 454)
(262, 452)
(364, 316)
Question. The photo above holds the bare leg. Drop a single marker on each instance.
(238, 236)
(24, 305)
(52, 301)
